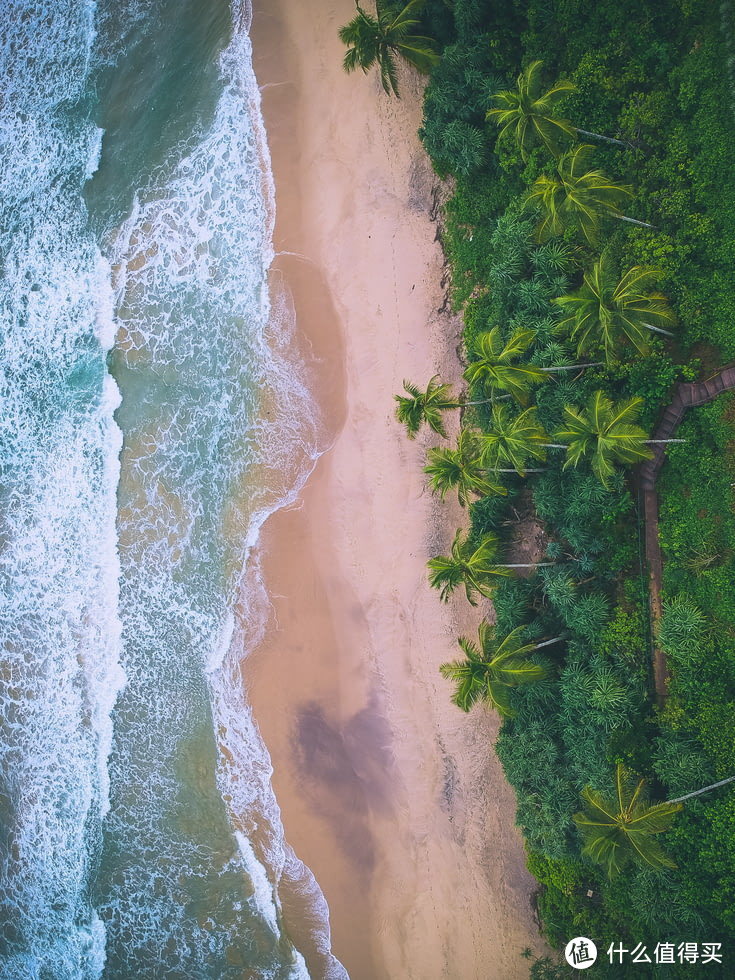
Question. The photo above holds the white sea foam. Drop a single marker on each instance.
(265, 901)
(105, 326)
(301, 878)
(220, 430)
(264, 895)
(58, 449)
(95, 152)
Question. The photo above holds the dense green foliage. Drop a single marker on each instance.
(698, 726)
(655, 76)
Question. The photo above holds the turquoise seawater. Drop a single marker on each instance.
(152, 415)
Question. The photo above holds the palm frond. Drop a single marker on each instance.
(530, 114)
(618, 830)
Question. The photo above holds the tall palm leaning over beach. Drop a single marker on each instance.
(494, 369)
(377, 40)
(606, 311)
(514, 439)
(528, 113)
(474, 567)
(490, 670)
(461, 469)
(577, 197)
(606, 432)
(418, 407)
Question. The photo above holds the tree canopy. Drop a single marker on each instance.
(605, 432)
(473, 565)
(621, 829)
(528, 113)
(417, 407)
(377, 40)
(489, 671)
(495, 366)
(606, 311)
(577, 196)
(461, 469)
(513, 438)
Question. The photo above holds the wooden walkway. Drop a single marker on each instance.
(686, 395)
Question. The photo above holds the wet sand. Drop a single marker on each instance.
(390, 794)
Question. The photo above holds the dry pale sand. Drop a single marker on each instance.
(390, 795)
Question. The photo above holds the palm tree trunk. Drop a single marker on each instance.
(634, 221)
(554, 445)
(516, 471)
(546, 643)
(575, 367)
(526, 564)
(666, 333)
(485, 401)
(599, 136)
(698, 792)
(662, 441)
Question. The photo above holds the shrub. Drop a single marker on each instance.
(681, 628)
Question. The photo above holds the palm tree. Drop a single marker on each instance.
(494, 367)
(461, 468)
(606, 432)
(529, 113)
(489, 671)
(473, 567)
(620, 830)
(577, 197)
(377, 40)
(605, 311)
(514, 439)
(425, 406)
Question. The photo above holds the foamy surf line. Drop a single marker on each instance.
(196, 320)
(103, 867)
(59, 444)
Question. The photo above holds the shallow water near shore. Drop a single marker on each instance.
(154, 416)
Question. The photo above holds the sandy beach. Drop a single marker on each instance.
(390, 794)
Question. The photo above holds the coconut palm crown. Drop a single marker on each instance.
(474, 566)
(606, 311)
(527, 112)
(621, 829)
(417, 407)
(494, 367)
(605, 432)
(490, 670)
(376, 40)
(462, 469)
(576, 196)
(514, 439)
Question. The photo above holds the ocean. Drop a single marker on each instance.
(152, 415)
